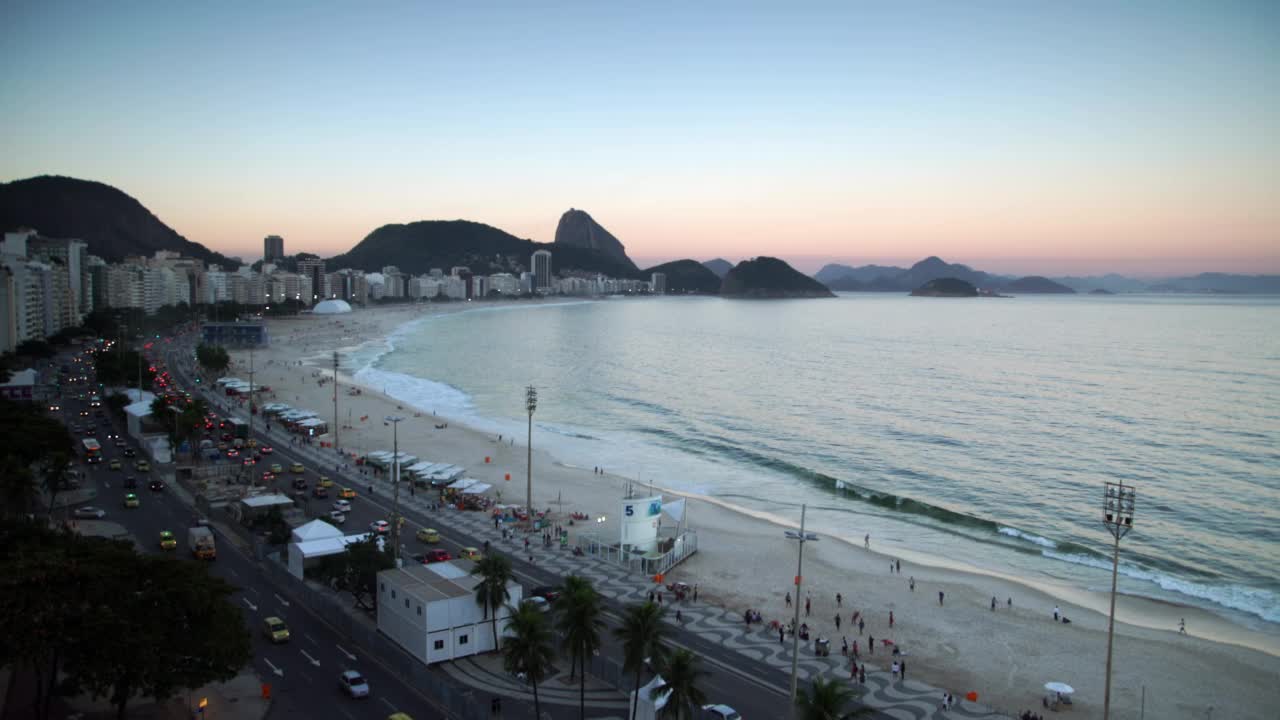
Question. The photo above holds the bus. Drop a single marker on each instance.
(92, 450)
(239, 428)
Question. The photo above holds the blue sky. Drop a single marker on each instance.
(1017, 136)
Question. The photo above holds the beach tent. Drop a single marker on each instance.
(331, 307)
(477, 489)
(646, 705)
(462, 484)
(308, 550)
(315, 530)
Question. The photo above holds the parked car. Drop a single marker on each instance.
(337, 517)
(89, 512)
(719, 712)
(319, 492)
(436, 555)
(299, 483)
(354, 684)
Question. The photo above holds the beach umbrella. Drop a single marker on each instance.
(1060, 688)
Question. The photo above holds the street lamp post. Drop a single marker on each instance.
(1117, 516)
(395, 493)
(802, 537)
(531, 404)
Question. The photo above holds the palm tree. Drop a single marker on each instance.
(19, 489)
(492, 593)
(826, 700)
(529, 647)
(680, 675)
(641, 636)
(578, 620)
(56, 474)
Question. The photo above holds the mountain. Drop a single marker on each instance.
(1034, 284)
(719, 266)
(946, 288)
(863, 274)
(579, 230)
(687, 276)
(1110, 282)
(933, 267)
(766, 277)
(112, 223)
(1221, 283)
(417, 247)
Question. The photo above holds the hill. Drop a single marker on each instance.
(833, 273)
(946, 288)
(1035, 284)
(577, 229)
(417, 247)
(766, 277)
(112, 223)
(886, 278)
(719, 266)
(687, 276)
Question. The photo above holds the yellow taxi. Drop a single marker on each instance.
(399, 716)
(115, 464)
(429, 535)
(346, 493)
(142, 466)
(325, 482)
(277, 468)
(168, 541)
(251, 443)
(131, 501)
(297, 468)
(275, 630)
(470, 553)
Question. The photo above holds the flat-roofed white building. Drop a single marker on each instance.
(431, 610)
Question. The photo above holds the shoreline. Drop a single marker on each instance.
(734, 553)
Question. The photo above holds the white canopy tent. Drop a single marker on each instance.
(309, 550)
(462, 484)
(477, 489)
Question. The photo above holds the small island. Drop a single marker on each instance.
(946, 288)
(1100, 291)
(1037, 285)
(770, 278)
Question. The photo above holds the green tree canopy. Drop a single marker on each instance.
(356, 571)
(578, 620)
(495, 572)
(681, 675)
(641, 634)
(529, 649)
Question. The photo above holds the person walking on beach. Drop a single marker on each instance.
(1010, 601)
(1057, 614)
(899, 565)
(940, 597)
(844, 646)
(993, 603)
(839, 599)
(893, 670)
(781, 636)
(788, 599)
(911, 583)
(837, 622)
(866, 541)
(890, 619)
(902, 670)
(861, 624)
(871, 644)
(695, 593)
(862, 675)
(806, 607)
(1182, 626)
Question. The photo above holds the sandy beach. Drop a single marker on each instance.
(961, 644)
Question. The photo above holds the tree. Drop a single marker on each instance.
(826, 700)
(492, 593)
(121, 368)
(213, 358)
(38, 349)
(641, 635)
(356, 571)
(578, 611)
(55, 476)
(529, 648)
(30, 438)
(680, 675)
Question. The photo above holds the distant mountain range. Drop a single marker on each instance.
(113, 224)
(719, 266)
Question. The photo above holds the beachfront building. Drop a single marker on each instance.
(314, 269)
(431, 611)
(658, 281)
(541, 266)
(504, 284)
(234, 334)
(272, 248)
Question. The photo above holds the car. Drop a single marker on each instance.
(142, 465)
(319, 492)
(266, 450)
(55, 408)
(382, 527)
(89, 512)
(277, 468)
(84, 413)
(342, 506)
(720, 712)
(233, 453)
(131, 501)
(297, 468)
(274, 629)
(325, 482)
(248, 462)
(548, 592)
(399, 716)
(354, 684)
(131, 483)
(347, 493)
(130, 452)
(119, 442)
(113, 435)
(251, 443)
(337, 517)
(538, 602)
(168, 541)
(299, 483)
(115, 464)
(155, 486)
(436, 555)
(470, 553)
(429, 535)
(268, 476)
(89, 432)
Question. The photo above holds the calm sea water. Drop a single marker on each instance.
(980, 430)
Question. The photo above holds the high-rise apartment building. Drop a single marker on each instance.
(314, 269)
(272, 248)
(540, 264)
(658, 282)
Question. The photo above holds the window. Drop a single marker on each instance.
(393, 594)
(462, 639)
(439, 645)
(419, 611)
(406, 603)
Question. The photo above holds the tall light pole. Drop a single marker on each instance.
(531, 404)
(1117, 516)
(802, 537)
(395, 493)
(250, 393)
(335, 400)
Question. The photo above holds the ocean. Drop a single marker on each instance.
(979, 430)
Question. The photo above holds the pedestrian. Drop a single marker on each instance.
(893, 669)
(993, 603)
(890, 567)
(679, 617)
(940, 597)
(650, 596)
(788, 598)
(899, 564)
(781, 640)
(806, 607)
(1057, 614)
(890, 619)
(1182, 626)
(862, 675)
(855, 648)
(902, 669)
(853, 671)
(659, 598)
(866, 540)
(844, 646)
(1010, 601)
(912, 583)
(871, 644)
(837, 622)
(861, 624)
(695, 593)
(839, 600)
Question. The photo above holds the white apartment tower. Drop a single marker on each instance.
(541, 266)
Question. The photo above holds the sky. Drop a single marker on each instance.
(1048, 137)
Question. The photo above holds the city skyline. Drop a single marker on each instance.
(1049, 140)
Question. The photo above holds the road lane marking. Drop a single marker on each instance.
(388, 703)
(251, 605)
(314, 661)
(282, 600)
(274, 669)
(342, 650)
